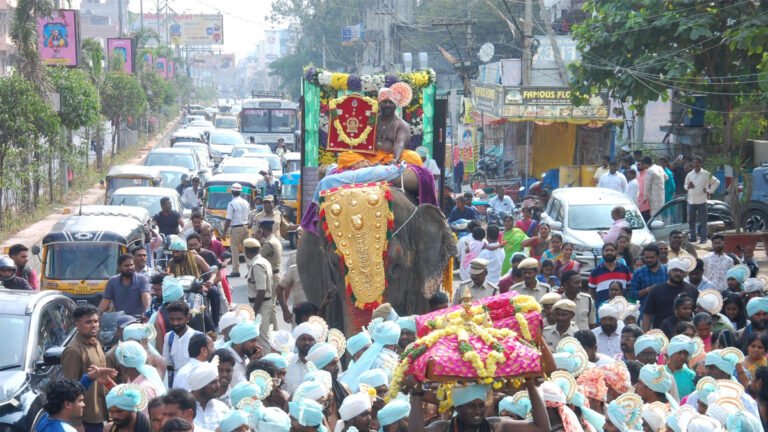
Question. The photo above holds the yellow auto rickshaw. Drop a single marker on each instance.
(131, 175)
(80, 252)
(218, 194)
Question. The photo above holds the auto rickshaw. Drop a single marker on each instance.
(131, 175)
(80, 252)
(290, 201)
(218, 194)
(292, 162)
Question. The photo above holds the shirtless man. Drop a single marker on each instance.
(393, 132)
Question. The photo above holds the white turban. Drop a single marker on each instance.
(677, 264)
(202, 375)
(310, 390)
(354, 405)
(612, 310)
(322, 354)
(306, 328)
(228, 320)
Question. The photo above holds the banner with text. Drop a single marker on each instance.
(58, 38)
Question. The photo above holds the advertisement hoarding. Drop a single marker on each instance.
(58, 39)
(161, 67)
(552, 103)
(197, 29)
(121, 48)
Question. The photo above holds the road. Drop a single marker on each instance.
(240, 289)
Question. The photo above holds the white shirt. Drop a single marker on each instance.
(189, 197)
(178, 354)
(238, 371)
(505, 204)
(615, 182)
(704, 184)
(609, 345)
(295, 374)
(180, 379)
(212, 415)
(431, 165)
(715, 268)
(633, 190)
(237, 211)
(495, 260)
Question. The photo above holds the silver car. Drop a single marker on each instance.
(578, 214)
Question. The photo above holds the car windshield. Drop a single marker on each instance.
(171, 159)
(116, 183)
(171, 179)
(81, 260)
(239, 152)
(149, 202)
(598, 217)
(218, 200)
(226, 123)
(274, 163)
(181, 139)
(283, 120)
(240, 169)
(15, 329)
(293, 165)
(289, 191)
(254, 120)
(226, 139)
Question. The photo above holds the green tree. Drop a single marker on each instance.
(20, 130)
(640, 50)
(121, 98)
(80, 106)
(93, 63)
(24, 36)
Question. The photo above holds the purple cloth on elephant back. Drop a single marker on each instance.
(426, 196)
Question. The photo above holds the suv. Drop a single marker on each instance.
(754, 214)
(36, 327)
(579, 213)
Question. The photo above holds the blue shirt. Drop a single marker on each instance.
(468, 213)
(47, 424)
(642, 278)
(127, 298)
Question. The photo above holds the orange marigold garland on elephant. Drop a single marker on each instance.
(358, 223)
(463, 345)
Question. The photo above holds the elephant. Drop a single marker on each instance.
(418, 252)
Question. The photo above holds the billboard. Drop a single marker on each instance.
(552, 103)
(183, 29)
(122, 48)
(58, 38)
(351, 34)
(223, 62)
(161, 66)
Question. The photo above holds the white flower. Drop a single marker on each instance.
(324, 78)
(369, 84)
(324, 124)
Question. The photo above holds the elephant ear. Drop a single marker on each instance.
(433, 245)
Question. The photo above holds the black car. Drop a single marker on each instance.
(35, 326)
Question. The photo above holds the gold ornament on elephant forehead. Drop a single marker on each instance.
(357, 217)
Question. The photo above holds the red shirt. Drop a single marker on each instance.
(216, 247)
(30, 275)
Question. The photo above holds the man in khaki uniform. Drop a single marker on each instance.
(564, 326)
(270, 213)
(479, 286)
(530, 286)
(272, 251)
(260, 293)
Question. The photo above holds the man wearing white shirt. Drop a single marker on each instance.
(494, 253)
(699, 184)
(428, 162)
(176, 341)
(633, 187)
(502, 204)
(204, 385)
(200, 349)
(192, 196)
(613, 179)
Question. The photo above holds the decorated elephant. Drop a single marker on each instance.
(420, 245)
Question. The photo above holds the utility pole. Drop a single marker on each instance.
(141, 15)
(324, 66)
(553, 43)
(120, 14)
(157, 13)
(527, 42)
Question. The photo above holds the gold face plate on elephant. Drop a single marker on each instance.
(358, 217)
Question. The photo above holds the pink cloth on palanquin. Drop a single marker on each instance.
(447, 361)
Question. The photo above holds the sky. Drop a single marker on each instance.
(244, 20)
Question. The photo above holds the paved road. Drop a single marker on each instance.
(240, 290)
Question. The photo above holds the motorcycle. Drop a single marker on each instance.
(197, 300)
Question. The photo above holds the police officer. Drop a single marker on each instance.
(237, 218)
(260, 292)
(479, 287)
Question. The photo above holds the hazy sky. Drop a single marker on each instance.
(244, 20)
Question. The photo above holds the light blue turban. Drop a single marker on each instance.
(393, 412)
(307, 412)
(244, 331)
(128, 399)
(645, 341)
(358, 342)
(322, 354)
(740, 273)
(172, 289)
(704, 392)
(243, 390)
(743, 421)
(233, 420)
(618, 416)
(178, 244)
(656, 378)
(521, 407)
(374, 378)
(594, 418)
(567, 361)
(131, 354)
(757, 304)
(725, 363)
(312, 390)
(681, 343)
(140, 332)
(276, 359)
(382, 333)
(407, 323)
(463, 395)
(385, 332)
(271, 419)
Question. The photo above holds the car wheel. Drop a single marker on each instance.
(754, 220)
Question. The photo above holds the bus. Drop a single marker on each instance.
(268, 116)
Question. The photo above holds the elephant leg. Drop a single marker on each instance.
(320, 273)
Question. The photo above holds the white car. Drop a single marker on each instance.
(223, 141)
(243, 166)
(242, 150)
(275, 166)
(579, 213)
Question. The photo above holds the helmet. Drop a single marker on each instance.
(7, 263)
(178, 244)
